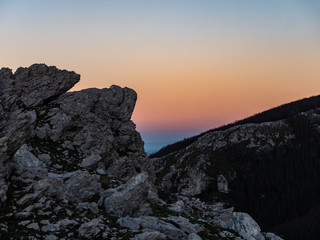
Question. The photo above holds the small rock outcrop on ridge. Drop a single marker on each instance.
(72, 166)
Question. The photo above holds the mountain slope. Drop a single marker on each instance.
(269, 170)
(278, 113)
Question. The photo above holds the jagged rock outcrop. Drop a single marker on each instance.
(60, 150)
(93, 124)
(19, 93)
(72, 166)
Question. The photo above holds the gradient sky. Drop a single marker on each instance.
(194, 64)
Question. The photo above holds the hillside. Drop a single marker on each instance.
(267, 169)
(278, 113)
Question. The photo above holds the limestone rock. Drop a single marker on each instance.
(214, 213)
(184, 224)
(66, 222)
(153, 223)
(90, 229)
(37, 83)
(90, 162)
(54, 188)
(51, 228)
(19, 92)
(82, 186)
(243, 224)
(93, 207)
(15, 127)
(154, 235)
(128, 199)
(34, 226)
(271, 236)
(193, 236)
(222, 184)
(25, 160)
(51, 237)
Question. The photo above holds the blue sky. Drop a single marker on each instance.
(194, 64)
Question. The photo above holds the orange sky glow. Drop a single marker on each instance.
(194, 64)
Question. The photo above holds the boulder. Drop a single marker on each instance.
(271, 236)
(245, 226)
(24, 160)
(82, 186)
(52, 187)
(130, 198)
(193, 236)
(94, 125)
(153, 223)
(90, 229)
(153, 235)
(90, 162)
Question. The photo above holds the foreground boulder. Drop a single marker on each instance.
(245, 226)
(129, 199)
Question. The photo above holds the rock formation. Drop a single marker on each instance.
(21, 93)
(72, 166)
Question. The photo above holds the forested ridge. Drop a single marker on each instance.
(281, 112)
(281, 188)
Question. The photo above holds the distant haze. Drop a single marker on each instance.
(194, 64)
(155, 140)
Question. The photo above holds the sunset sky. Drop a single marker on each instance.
(194, 64)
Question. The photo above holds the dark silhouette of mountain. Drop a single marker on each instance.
(281, 188)
(281, 112)
(266, 165)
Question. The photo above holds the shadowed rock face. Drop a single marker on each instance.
(94, 122)
(19, 92)
(37, 110)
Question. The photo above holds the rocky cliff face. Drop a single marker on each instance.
(72, 166)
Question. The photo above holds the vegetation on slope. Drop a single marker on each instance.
(281, 112)
(280, 189)
(278, 186)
